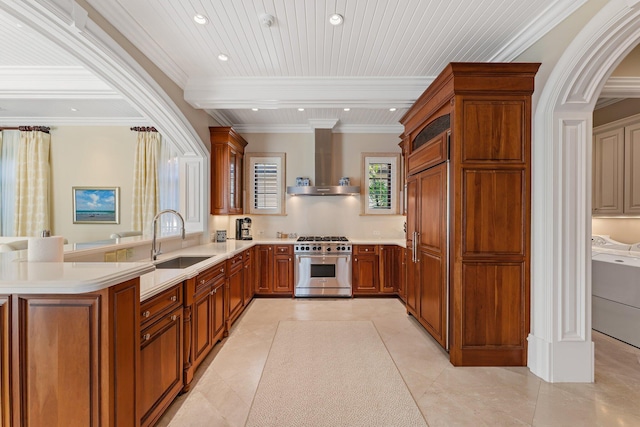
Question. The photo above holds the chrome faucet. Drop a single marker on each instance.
(154, 252)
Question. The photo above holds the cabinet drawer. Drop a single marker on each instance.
(284, 249)
(247, 255)
(154, 307)
(235, 263)
(365, 249)
(205, 278)
(148, 333)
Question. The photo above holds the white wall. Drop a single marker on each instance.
(100, 156)
(323, 215)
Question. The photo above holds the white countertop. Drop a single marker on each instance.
(17, 275)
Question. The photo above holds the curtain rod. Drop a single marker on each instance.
(44, 129)
(144, 129)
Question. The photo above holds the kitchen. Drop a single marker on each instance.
(301, 174)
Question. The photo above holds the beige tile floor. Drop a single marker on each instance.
(226, 382)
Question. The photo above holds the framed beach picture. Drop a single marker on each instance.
(96, 205)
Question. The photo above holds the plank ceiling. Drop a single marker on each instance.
(384, 54)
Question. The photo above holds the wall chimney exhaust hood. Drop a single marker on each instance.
(324, 170)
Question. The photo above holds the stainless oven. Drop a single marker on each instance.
(322, 268)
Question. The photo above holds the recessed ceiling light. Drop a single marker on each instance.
(347, 109)
(223, 57)
(336, 19)
(392, 109)
(300, 109)
(254, 109)
(74, 109)
(200, 19)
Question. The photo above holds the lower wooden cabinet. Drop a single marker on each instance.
(274, 267)
(376, 269)
(204, 317)
(235, 288)
(75, 358)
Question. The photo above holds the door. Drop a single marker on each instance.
(201, 324)
(432, 252)
(283, 274)
(264, 269)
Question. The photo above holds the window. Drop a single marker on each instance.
(380, 173)
(265, 183)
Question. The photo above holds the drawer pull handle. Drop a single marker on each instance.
(173, 318)
(202, 282)
(146, 337)
(174, 298)
(146, 314)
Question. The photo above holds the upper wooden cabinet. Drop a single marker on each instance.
(616, 168)
(467, 148)
(227, 162)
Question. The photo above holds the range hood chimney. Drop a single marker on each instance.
(323, 185)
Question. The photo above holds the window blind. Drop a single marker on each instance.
(265, 185)
(380, 187)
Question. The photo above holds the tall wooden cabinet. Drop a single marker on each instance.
(467, 148)
(227, 155)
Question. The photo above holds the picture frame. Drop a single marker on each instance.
(96, 205)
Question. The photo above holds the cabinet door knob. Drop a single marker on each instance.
(212, 292)
(173, 318)
(202, 282)
(146, 314)
(146, 337)
(174, 298)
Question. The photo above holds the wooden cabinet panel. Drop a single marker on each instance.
(430, 154)
(77, 358)
(283, 274)
(201, 336)
(496, 298)
(219, 178)
(235, 294)
(156, 306)
(608, 175)
(365, 273)
(264, 269)
(493, 212)
(433, 296)
(389, 262)
(60, 360)
(218, 304)
(160, 365)
(432, 195)
(496, 130)
(412, 266)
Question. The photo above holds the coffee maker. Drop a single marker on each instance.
(243, 229)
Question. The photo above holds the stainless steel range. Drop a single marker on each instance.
(323, 266)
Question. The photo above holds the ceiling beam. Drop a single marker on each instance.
(305, 92)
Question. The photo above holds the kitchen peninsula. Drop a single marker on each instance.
(104, 343)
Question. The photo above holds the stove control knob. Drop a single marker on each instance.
(307, 248)
(328, 249)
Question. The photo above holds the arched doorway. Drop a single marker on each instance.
(560, 345)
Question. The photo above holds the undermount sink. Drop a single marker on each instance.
(181, 262)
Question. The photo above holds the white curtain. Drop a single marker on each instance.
(146, 198)
(32, 184)
(9, 143)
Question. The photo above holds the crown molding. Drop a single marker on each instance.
(305, 92)
(621, 87)
(548, 19)
(54, 122)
